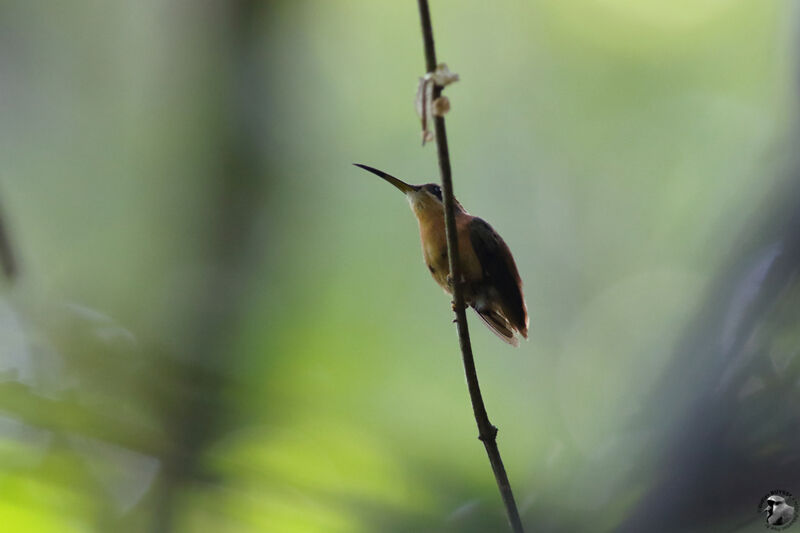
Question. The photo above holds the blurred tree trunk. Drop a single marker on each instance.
(196, 419)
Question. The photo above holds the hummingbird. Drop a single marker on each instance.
(491, 282)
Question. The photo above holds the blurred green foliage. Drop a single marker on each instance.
(221, 325)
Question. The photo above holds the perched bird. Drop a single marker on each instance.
(490, 279)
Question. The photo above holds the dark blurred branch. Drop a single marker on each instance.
(201, 416)
(486, 431)
(7, 258)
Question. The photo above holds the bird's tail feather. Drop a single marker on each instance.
(499, 326)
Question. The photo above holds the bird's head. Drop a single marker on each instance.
(425, 198)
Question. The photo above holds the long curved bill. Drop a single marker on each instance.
(400, 184)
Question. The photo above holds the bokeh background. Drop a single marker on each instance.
(218, 324)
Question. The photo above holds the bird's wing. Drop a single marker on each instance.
(500, 271)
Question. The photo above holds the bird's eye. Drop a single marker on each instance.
(436, 191)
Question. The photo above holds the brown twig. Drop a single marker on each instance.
(487, 433)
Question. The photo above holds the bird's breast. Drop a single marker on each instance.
(434, 249)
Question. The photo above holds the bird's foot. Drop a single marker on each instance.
(450, 282)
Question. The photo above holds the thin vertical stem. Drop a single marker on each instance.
(487, 433)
